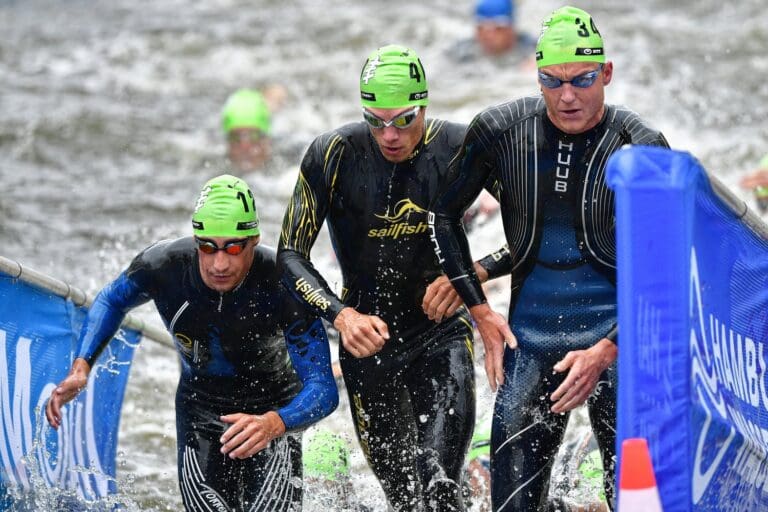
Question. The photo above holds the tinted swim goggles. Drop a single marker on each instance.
(232, 248)
(401, 121)
(582, 81)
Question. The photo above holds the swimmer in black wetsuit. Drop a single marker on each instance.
(410, 381)
(255, 364)
(547, 155)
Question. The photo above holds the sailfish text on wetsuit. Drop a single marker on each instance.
(313, 296)
(398, 222)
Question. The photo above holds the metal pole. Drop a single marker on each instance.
(78, 297)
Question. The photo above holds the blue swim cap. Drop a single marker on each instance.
(500, 11)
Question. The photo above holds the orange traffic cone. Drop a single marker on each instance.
(637, 483)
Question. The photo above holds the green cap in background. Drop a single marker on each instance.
(246, 108)
(326, 456)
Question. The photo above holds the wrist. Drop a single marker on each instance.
(607, 350)
(341, 318)
(80, 365)
(482, 273)
(277, 423)
(480, 311)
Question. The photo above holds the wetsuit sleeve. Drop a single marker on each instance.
(107, 313)
(469, 172)
(303, 219)
(498, 263)
(311, 358)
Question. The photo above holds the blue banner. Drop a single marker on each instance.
(38, 340)
(693, 311)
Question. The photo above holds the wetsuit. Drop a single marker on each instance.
(232, 348)
(558, 217)
(413, 402)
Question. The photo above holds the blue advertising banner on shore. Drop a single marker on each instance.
(38, 340)
(693, 311)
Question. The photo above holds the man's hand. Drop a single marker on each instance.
(67, 390)
(586, 366)
(440, 298)
(250, 433)
(495, 332)
(362, 335)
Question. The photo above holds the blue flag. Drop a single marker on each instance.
(38, 341)
(693, 315)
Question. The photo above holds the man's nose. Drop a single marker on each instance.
(390, 133)
(220, 261)
(567, 94)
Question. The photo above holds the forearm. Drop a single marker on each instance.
(305, 283)
(452, 250)
(311, 358)
(104, 318)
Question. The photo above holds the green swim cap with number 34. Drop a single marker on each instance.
(568, 35)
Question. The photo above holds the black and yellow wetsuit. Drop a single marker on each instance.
(413, 402)
(251, 350)
(559, 222)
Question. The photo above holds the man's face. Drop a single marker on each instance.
(495, 38)
(397, 144)
(574, 109)
(248, 149)
(220, 270)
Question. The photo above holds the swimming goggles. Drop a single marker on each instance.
(582, 81)
(401, 121)
(232, 248)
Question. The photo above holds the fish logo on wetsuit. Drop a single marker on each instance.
(191, 349)
(398, 221)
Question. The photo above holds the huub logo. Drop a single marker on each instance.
(398, 221)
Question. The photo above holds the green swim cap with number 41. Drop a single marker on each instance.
(393, 77)
(569, 35)
(225, 208)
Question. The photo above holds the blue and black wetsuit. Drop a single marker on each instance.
(413, 402)
(558, 217)
(251, 350)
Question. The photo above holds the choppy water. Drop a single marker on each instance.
(109, 125)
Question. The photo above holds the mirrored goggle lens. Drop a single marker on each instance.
(581, 81)
(231, 248)
(402, 121)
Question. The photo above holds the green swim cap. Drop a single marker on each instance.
(481, 440)
(326, 456)
(569, 35)
(393, 77)
(246, 108)
(225, 208)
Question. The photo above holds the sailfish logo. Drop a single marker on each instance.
(403, 208)
(398, 221)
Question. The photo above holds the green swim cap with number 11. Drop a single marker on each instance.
(569, 35)
(393, 77)
(225, 208)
